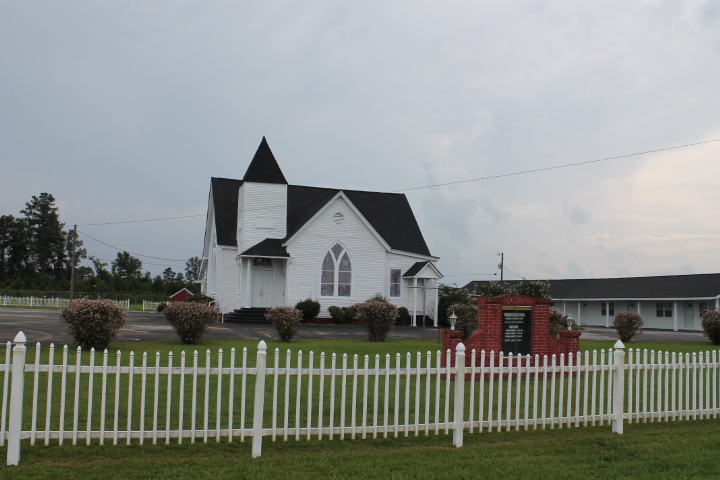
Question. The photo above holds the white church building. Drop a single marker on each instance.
(268, 243)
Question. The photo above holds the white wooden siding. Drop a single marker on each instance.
(368, 257)
(240, 218)
(261, 200)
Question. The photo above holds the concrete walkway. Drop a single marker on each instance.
(43, 325)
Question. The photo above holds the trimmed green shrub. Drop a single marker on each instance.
(161, 306)
(199, 298)
(378, 297)
(309, 308)
(403, 316)
(285, 320)
(449, 295)
(341, 315)
(711, 325)
(628, 325)
(190, 320)
(378, 318)
(467, 318)
(534, 289)
(93, 323)
(493, 289)
(558, 322)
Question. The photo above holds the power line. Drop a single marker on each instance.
(137, 254)
(560, 166)
(523, 172)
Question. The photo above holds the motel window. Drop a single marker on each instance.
(604, 308)
(664, 309)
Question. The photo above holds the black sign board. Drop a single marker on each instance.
(517, 331)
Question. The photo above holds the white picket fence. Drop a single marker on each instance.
(56, 302)
(110, 399)
(151, 306)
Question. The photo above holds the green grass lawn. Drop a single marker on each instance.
(653, 450)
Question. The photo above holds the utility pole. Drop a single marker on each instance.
(72, 264)
(501, 265)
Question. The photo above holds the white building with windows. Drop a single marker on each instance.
(268, 243)
(670, 302)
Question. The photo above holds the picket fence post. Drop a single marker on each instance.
(16, 399)
(619, 388)
(459, 410)
(259, 405)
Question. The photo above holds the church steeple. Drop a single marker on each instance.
(264, 168)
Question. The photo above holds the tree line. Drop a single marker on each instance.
(36, 253)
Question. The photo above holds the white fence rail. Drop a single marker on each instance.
(122, 398)
(56, 302)
(151, 306)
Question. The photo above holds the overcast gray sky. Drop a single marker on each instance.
(124, 110)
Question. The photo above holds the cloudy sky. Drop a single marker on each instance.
(124, 110)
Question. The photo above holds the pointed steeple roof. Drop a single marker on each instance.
(264, 168)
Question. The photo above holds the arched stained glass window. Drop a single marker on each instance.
(336, 273)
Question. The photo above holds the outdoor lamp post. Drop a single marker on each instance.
(569, 322)
(453, 319)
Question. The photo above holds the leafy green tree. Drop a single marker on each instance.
(192, 269)
(126, 266)
(168, 275)
(15, 257)
(47, 238)
(450, 295)
(84, 273)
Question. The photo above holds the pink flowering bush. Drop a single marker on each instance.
(286, 321)
(378, 318)
(467, 318)
(93, 323)
(190, 320)
(628, 325)
(711, 325)
(558, 322)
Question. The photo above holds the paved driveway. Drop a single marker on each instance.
(41, 325)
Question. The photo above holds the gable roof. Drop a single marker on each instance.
(418, 267)
(706, 285)
(225, 203)
(263, 167)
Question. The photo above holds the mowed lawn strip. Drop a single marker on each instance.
(654, 450)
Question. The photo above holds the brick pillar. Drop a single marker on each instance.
(570, 341)
(450, 339)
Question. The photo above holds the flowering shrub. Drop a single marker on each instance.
(93, 323)
(628, 325)
(190, 320)
(467, 318)
(285, 320)
(341, 315)
(711, 325)
(533, 288)
(309, 308)
(377, 318)
(558, 322)
(199, 298)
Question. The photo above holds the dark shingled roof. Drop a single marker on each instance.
(225, 202)
(264, 168)
(706, 285)
(388, 213)
(415, 269)
(270, 247)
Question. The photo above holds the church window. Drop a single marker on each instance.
(336, 273)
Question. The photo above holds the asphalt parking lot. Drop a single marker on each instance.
(43, 325)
